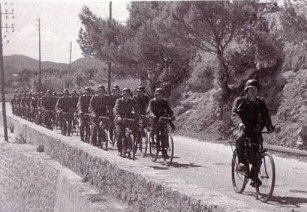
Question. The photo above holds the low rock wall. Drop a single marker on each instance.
(31, 181)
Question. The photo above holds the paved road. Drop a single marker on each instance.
(207, 165)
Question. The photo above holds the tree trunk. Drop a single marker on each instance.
(223, 77)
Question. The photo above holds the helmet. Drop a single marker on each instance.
(48, 92)
(116, 87)
(87, 89)
(140, 88)
(66, 91)
(101, 87)
(158, 91)
(252, 83)
(126, 91)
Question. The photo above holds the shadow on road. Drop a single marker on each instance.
(159, 167)
(295, 201)
(184, 165)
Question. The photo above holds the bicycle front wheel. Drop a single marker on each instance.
(267, 177)
(170, 150)
(153, 148)
(239, 178)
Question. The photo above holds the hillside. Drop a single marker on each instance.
(17, 63)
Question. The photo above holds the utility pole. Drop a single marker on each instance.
(69, 65)
(2, 69)
(109, 43)
(39, 57)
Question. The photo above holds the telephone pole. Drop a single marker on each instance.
(69, 65)
(39, 57)
(2, 69)
(109, 43)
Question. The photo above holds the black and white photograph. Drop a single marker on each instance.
(153, 106)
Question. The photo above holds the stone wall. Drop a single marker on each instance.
(31, 181)
(142, 187)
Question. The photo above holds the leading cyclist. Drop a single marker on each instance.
(250, 115)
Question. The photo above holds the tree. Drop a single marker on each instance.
(213, 27)
(98, 38)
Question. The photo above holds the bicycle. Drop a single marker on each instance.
(265, 169)
(75, 123)
(86, 127)
(128, 141)
(66, 122)
(142, 143)
(103, 132)
(48, 118)
(162, 142)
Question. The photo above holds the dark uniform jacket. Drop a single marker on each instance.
(254, 115)
(98, 105)
(47, 103)
(74, 102)
(28, 101)
(65, 104)
(159, 108)
(34, 102)
(83, 103)
(142, 103)
(126, 109)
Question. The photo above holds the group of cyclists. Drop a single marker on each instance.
(121, 109)
(89, 110)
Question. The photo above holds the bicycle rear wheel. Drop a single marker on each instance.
(103, 139)
(267, 177)
(239, 178)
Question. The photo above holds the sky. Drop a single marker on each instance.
(60, 25)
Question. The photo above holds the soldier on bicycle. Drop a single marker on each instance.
(250, 115)
(113, 97)
(83, 104)
(33, 106)
(13, 104)
(23, 105)
(159, 107)
(125, 107)
(65, 109)
(97, 107)
(47, 107)
(28, 105)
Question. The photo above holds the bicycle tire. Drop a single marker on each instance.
(239, 179)
(145, 144)
(170, 150)
(268, 179)
(153, 149)
(133, 146)
(106, 142)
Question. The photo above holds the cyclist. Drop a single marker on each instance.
(250, 115)
(142, 99)
(83, 104)
(158, 106)
(28, 105)
(113, 97)
(125, 107)
(33, 106)
(97, 107)
(47, 107)
(64, 104)
(23, 105)
(13, 104)
(18, 108)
